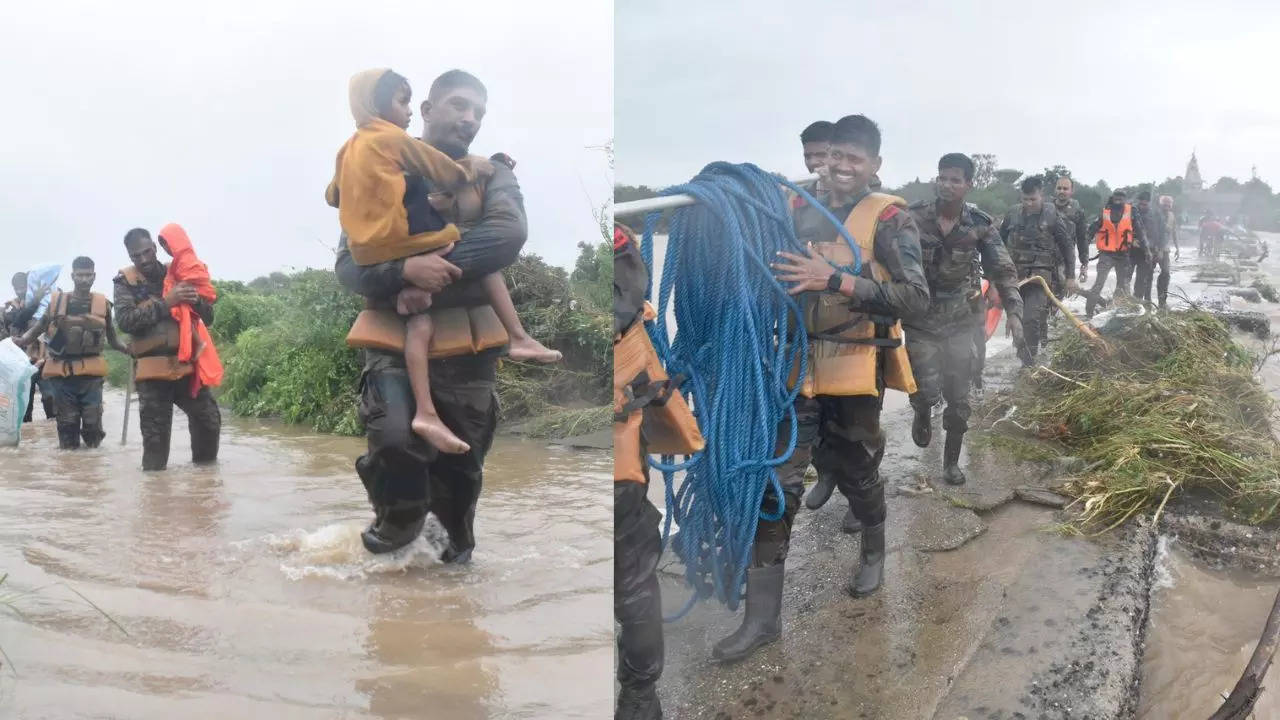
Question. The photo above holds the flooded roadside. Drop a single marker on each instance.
(1204, 626)
(1206, 622)
(246, 592)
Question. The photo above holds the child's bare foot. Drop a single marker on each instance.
(529, 349)
(441, 437)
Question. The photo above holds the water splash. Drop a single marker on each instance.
(335, 551)
(1162, 573)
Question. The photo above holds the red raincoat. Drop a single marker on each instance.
(187, 268)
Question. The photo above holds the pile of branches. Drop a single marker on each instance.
(1174, 407)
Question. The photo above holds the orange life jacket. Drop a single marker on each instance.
(650, 415)
(846, 365)
(1113, 237)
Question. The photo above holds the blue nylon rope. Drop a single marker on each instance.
(739, 337)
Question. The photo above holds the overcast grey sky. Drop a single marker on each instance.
(1120, 91)
(226, 117)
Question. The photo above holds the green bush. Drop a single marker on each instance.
(282, 339)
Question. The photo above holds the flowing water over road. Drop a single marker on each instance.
(246, 593)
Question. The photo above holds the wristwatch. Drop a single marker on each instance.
(835, 281)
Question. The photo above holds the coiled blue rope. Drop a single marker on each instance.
(739, 338)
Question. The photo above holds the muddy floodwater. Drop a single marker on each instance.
(246, 593)
(1203, 628)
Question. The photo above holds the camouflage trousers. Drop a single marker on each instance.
(637, 599)
(943, 365)
(79, 408)
(841, 436)
(156, 399)
(1108, 261)
(404, 477)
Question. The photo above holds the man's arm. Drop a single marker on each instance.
(897, 248)
(1066, 246)
(1139, 232)
(1004, 229)
(112, 340)
(134, 317)
(1082, 239)
(33, 332)
(998, 268)
(378, 282)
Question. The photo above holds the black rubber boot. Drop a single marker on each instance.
(922, 426)
(851, 524)
(393, 531)
(453, 556)
(50, 412)
(638, 704)
(821, 491)
(870, 570)
(951, 471)
(762, 621)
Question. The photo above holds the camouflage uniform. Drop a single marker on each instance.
(940, 341)
(406, 478)
(637, 542)
(138, 310)
(1149, 256)
(78, 398)
(842, 435)
(1121, 262)
(1038, 244)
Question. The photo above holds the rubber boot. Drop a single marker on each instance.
(638, 704)
(951, 471)
(50, 412)
(851, 525)
(922, 426)
(762, 621)
(870, 570)
(393, 531)
(821, 491)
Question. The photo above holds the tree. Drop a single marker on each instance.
(1052, 174)
(1227, 185)
(984, 169)
(1171, 187)
(916, 191)
(1008, 176)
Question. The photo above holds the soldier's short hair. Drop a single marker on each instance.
(1064, 177)
(857, 130)
(82, 263)
(452, 79)
(135, 235)
(1144, 196)
(1032, 185)
(819, 131)
(957, 161)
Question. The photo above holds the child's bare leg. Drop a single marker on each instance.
(523, 347)
(426, 422)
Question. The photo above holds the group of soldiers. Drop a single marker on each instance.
(912, 319)
(66, 334)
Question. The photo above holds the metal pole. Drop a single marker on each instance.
(648, 205)
(128, 395)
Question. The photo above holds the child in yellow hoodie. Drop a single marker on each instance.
(368, 189)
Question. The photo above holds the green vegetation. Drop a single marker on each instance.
(282, 341)
(1175, 407)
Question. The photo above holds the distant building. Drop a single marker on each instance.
(1196, 199)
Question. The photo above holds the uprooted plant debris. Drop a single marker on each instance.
(1174, 407)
